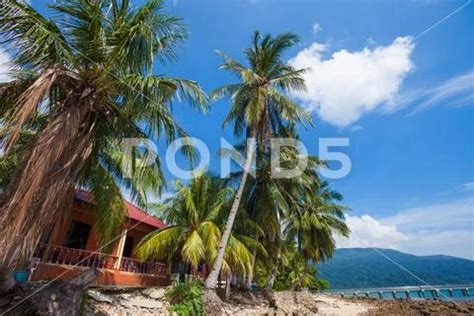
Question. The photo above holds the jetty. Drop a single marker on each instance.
(441, 292)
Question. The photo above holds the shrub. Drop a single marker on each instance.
(186, 298)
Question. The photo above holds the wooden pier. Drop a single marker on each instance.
(411, 292)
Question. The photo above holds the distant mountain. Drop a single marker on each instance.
(369, 268)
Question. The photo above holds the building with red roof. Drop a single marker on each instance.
(72, 245)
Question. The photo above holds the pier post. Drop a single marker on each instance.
(394, 294)
(421, 293)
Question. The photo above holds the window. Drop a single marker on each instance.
(77, 235)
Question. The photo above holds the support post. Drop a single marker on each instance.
(121, 246)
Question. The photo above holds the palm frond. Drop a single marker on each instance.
(34, 40)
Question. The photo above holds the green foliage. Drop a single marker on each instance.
(302, 209)
(295, 272)
(195, 216)
(102, 51)
(320, 285)
(260, 105)
(187, 298)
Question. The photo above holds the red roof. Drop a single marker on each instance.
(140, 215)
(134, 212)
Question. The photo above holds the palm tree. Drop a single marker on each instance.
(259, 108)
(273, 200)
(296, 272)
(306, 210)
(315, 220)
(89, 69)
(193, 216)
(302, 208)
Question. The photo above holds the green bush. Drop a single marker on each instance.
(186, 298)
(320, 285)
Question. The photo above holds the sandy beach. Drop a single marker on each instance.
(330, 305)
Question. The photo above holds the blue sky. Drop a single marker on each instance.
(402, 163)
(405, 102)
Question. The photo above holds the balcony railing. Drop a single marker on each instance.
(132, 265)
(83, 258)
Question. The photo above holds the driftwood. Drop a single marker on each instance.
(61, 298)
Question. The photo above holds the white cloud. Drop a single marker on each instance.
(467, 186)
(456, 91)
(348, 84)
(317, 28)
(369, 232)
(444, 228)
(4, 68)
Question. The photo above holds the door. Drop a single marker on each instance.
(128, 247)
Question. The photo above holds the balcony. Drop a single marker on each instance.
(82, 258)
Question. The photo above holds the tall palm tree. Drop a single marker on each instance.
(307, 211)
(302, 208)
(272, 200)
(259, 107)
(90, 69)
(194, 215)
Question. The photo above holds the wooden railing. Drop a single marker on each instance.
(79, 257)
(132, 265)
(83, 258)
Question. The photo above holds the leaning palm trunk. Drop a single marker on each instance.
(211, 280)
(44, 183)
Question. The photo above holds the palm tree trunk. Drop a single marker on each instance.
(248, 284)
(273, 276)
(211, 280)
(227, 286)
(272, 279)
(43, 185)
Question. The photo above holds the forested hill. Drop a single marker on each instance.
(366, 268)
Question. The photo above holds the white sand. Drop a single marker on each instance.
(331, 305)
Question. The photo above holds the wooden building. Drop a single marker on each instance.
(72, 246)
